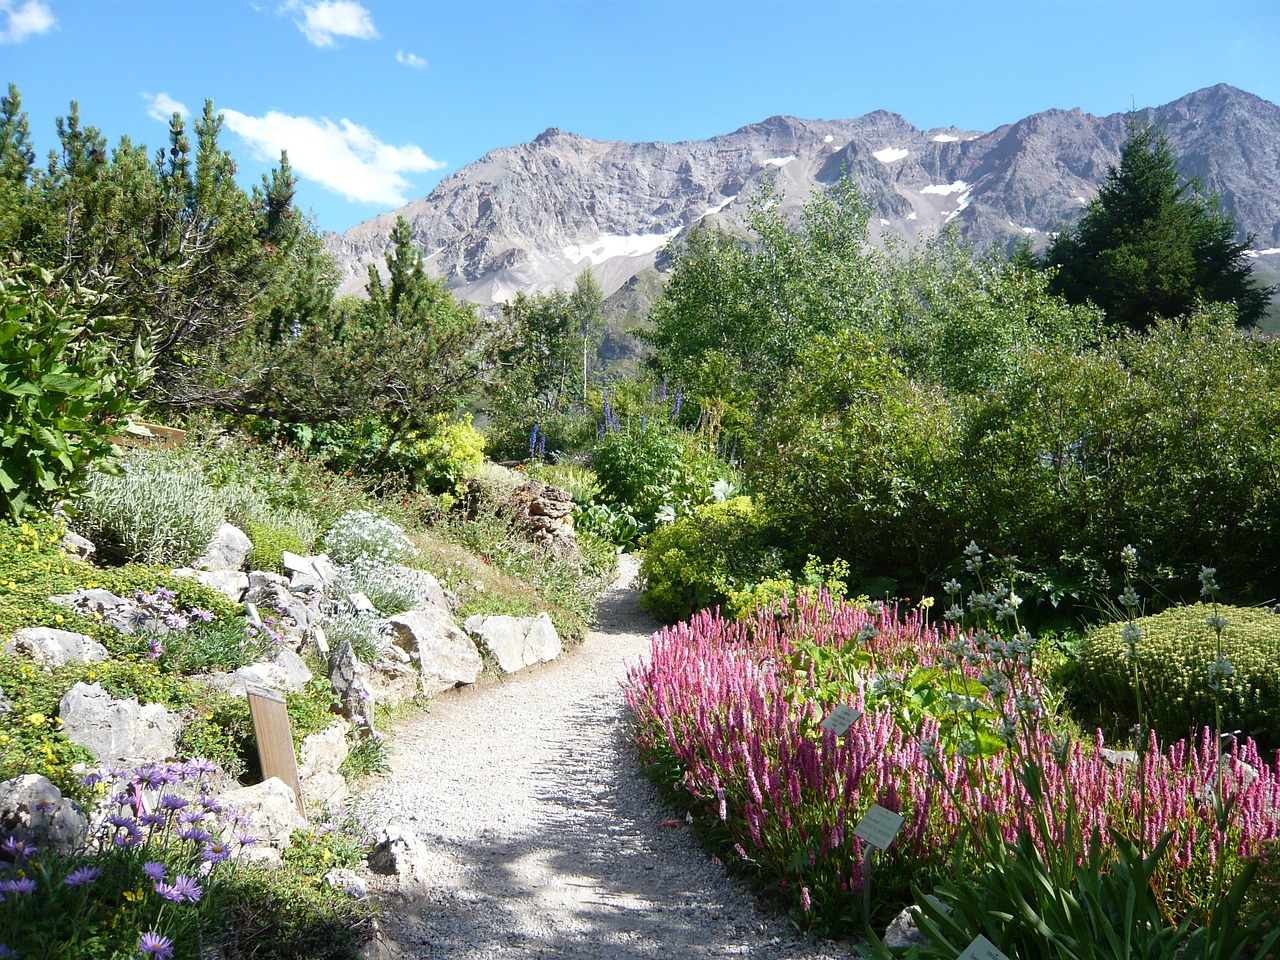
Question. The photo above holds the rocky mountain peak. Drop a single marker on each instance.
(533, 216)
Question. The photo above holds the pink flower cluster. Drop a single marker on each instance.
(713, 703)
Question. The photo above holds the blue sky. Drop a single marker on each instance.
(376, 100)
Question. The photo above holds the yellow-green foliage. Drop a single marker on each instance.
(450, 455)
(696, 561)
(269, 544)
(1173, 657)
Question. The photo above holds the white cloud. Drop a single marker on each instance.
(323, 21)
(24, 20)
(162, 107)
(343, 157)
(410, 60)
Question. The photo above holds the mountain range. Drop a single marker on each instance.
(532, 217)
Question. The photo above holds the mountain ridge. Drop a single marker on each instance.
(532, 216)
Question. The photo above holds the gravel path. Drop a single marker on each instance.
(543, 838)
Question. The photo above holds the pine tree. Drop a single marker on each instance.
(1152, 244)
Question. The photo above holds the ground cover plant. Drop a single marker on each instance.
(959, 733)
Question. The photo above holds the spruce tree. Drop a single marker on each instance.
(1152, 244)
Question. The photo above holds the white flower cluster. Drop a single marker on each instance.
(363, 538)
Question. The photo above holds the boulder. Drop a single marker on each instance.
(232, 584)
(77, 547)
(57, 648)
(228, 550)
(903, 932)
(350, 685)
(322, 754)
(348, 881)
(324, 568)
(119, 613)
(34, 811)
(445, 655)
(287, 672)
(118, 730)
(517, 642)
(397, 851)
(6, 705)
(391, 680)
(270, 809)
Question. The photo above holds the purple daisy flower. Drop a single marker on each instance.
(171, 801)
(154, 945)
(216, 851)
(191, 816)
(154, 870)
(131, 837)
(187, 888)
(25, 885)
(168, 891)
(78, 878)
(195, 834)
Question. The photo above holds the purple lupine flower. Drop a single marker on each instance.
(154, 945)
(675, 414)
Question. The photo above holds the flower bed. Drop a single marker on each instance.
(727, 717)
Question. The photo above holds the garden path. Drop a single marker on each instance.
(543, 837)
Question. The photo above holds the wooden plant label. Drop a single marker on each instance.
(839, 720)
(275, 741)
(879, 827)
(981, 949)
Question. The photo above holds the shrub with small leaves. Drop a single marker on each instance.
(1176, 653)
(366, 538)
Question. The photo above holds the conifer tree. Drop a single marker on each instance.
(1152, 244)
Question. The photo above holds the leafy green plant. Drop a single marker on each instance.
(65, 389)
(699, 559)
(269, 544)
(157, 508)
(1175, 657)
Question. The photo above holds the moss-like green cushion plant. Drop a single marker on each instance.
(1173, 656)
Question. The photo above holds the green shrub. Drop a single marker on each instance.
(64, 390)
(657, 471)
(699, 559)
(158, 510)
(1173, 656)
(448, 456)
(269, 544)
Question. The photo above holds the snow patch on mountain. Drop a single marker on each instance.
(607, 247)
(945, 138)
(890, 154)
(779, 161)
(946, 189)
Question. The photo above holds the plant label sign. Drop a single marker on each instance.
(839, 720)
(982, 949)
(879, 827)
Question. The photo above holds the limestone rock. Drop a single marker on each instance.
(34, 811)
(903, 932)
(287, 672)
(517, 642)
(391, 680)
(228, 550)
(232, 584)
(118, 730)
(324, 568)
(322, 754)
(77, 546)
(351, 685)
(270, 809)
(56, 648)
(398, 851)
(348, 881)
(445, 655)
